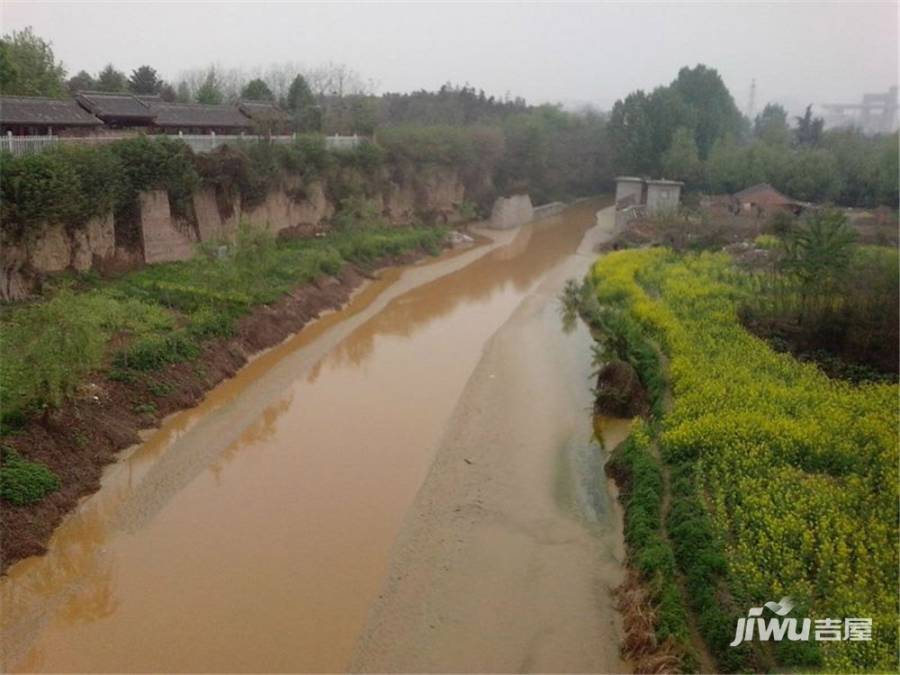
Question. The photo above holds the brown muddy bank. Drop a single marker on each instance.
(86, 433)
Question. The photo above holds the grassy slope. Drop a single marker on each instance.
(163, 313)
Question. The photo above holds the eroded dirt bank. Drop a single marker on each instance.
(252, 532)
(511, 548)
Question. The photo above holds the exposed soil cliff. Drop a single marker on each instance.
(429, 194)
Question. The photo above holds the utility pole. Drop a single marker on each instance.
(751, 100)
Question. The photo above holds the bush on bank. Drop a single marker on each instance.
(23, 482)
(71, 184)
(784, 481)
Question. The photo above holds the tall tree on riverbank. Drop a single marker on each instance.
(642, 127)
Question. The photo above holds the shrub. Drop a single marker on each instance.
(37, 189)
(47, 348)
(156, 164)
(23, 482)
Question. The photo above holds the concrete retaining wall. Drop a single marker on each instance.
(509, 212)
(547, 210)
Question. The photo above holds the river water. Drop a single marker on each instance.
(255, 531)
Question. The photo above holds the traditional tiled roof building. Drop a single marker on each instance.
(36, 115)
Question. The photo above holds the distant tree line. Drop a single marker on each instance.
(689, 130)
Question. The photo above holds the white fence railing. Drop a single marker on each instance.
(23, 145)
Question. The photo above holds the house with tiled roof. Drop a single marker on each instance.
(92, 112)
(197, 118)
(40, 116)
(117, 110)
(763, 198)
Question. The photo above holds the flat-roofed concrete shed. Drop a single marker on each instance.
(663, 195)
(653, 194)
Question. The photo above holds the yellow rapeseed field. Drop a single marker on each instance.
(799, 471)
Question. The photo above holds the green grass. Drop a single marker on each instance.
(162, 314)
(23, 482)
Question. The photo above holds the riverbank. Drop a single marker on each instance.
(107, 411)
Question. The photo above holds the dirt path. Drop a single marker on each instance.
(509, 551)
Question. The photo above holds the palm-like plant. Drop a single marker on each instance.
(818, 254)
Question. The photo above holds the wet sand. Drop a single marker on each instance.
(512, 545)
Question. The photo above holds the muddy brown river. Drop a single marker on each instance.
(408, 484)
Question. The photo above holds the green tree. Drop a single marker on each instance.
(631, 135)
(82, 81)
(726, 167)
(716, 114)
(144, 80)
(183, 93)
(887, 190)
(210, 92)
(299, 95)
(363, 115)
(771, 125)
(302, 105)
(818, 254)
(112, 80)
(812, 175)
(9, 74)
(809, 128)
(167, 93)
(682, 161)
(666, 112)
(28, 66)
(257, 90)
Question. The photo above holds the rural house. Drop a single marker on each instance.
(762, 198)
(196, 118)
(39, 116)
(117, 110)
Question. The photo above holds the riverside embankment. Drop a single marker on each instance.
(254, 532)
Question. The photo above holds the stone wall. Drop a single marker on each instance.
(509, 212)
(549, 209)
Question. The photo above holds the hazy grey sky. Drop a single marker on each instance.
(798, 51)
